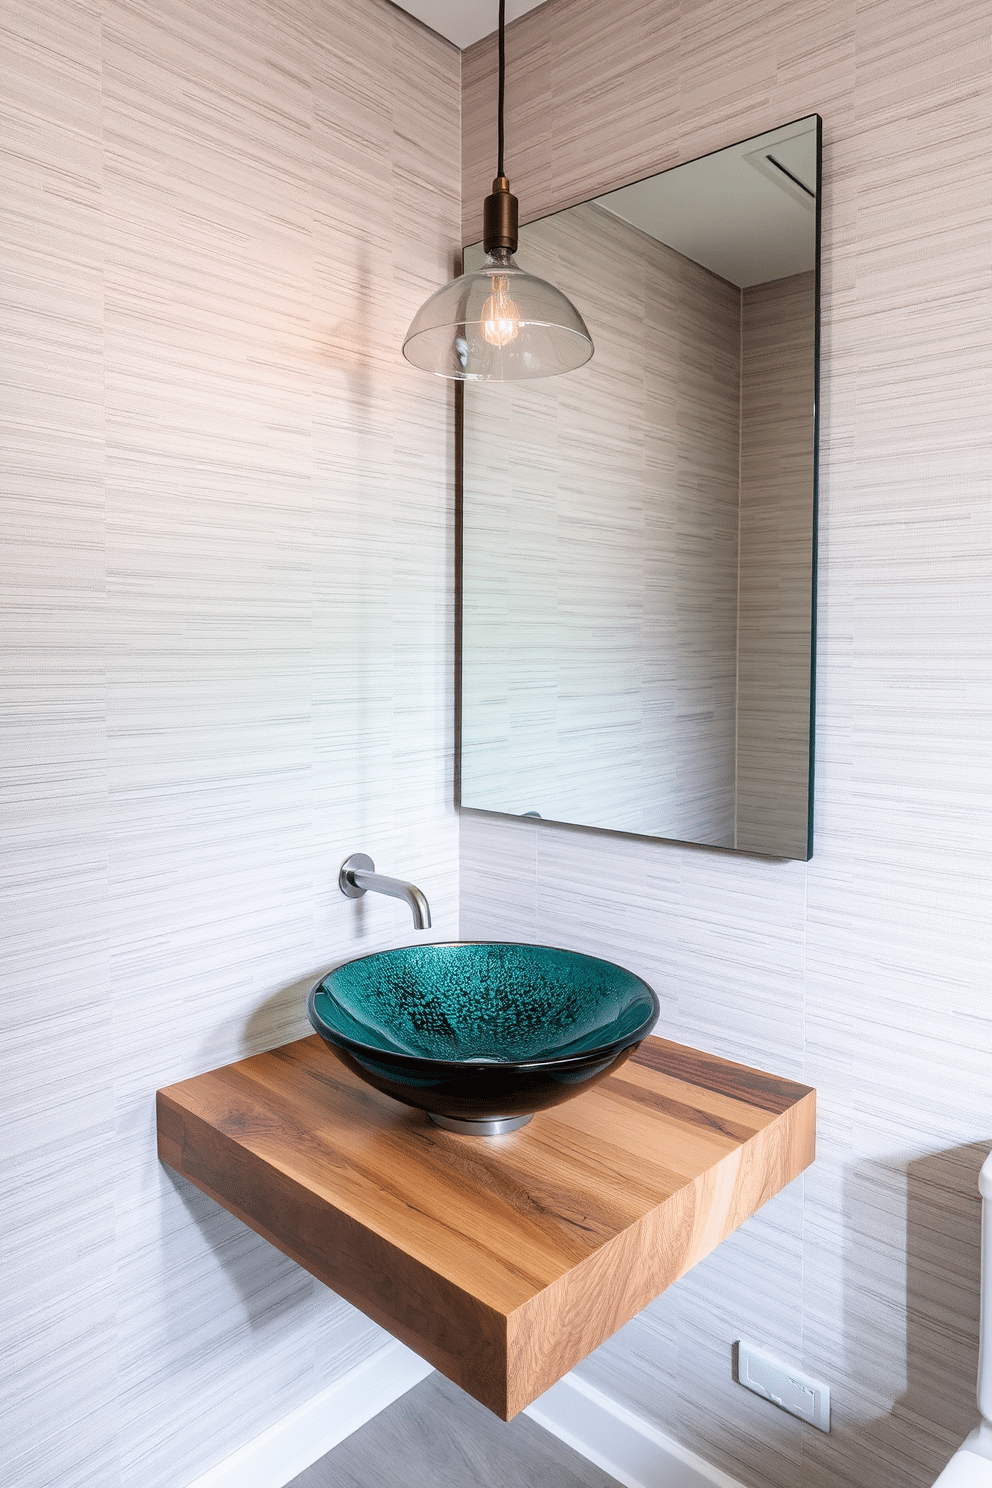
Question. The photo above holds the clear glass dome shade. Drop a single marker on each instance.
(497, 324)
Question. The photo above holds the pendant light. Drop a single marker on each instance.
(498, 324)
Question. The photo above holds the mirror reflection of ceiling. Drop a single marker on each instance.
(465, 21)
(745, 213)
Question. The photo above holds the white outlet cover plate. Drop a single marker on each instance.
(783, 1384)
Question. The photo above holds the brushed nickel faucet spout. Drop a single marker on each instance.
(358, 877)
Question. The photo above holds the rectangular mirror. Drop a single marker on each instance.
(638, 538)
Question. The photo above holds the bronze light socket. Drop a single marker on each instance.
(499, 218)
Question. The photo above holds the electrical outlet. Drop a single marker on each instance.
(783, 1385)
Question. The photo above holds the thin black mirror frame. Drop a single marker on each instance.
(459, 430)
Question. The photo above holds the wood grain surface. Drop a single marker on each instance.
(503, 1261)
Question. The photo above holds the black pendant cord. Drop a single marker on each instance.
(499, 212)
(502, 73)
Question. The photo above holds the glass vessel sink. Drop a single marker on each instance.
(481, 1034)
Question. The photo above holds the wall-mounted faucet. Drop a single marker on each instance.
(358, 877)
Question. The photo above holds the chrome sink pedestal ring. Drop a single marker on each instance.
(487, 1126)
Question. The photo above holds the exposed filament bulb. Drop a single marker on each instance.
(500, 316)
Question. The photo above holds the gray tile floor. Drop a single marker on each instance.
(436, 1436)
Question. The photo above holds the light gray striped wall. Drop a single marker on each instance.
(228, 567)
(229, 564)
(867, 971)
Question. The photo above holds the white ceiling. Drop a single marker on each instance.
(464, 21)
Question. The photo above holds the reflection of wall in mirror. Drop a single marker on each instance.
(600, 551)
(776, 537)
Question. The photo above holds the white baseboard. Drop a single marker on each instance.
(293, 1443)
(588, 1420)
(622, 1443)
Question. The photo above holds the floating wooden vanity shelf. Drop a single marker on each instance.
(502, 1261)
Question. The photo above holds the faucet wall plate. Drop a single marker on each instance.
(345, 884)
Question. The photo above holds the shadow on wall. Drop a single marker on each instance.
(262, 1286)
(280, 1018)
(254, 1288)
(911, 1305)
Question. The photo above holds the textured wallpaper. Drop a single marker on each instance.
(228, 555)
(227, 660)
(866, 971)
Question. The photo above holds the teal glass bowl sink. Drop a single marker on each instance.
(481, 1034)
